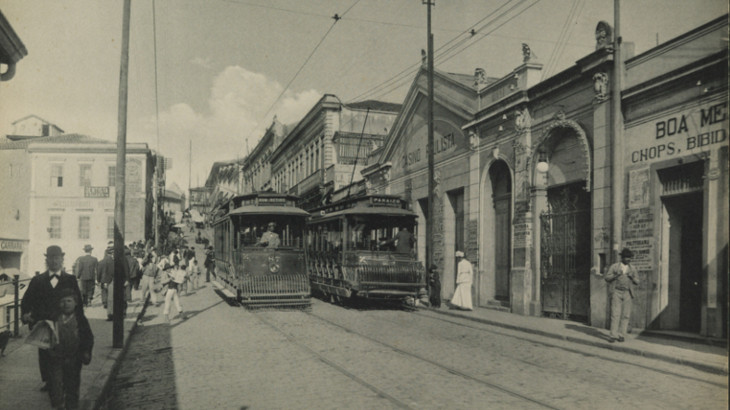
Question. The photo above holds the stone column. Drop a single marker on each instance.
(521, 275)
(716, 234)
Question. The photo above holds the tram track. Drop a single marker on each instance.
(548, 342)
(381, 393)
(491, 385)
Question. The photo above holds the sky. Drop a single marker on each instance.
(219, 70)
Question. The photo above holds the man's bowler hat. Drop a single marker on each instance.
(626, 252)
(88, 248)
(54, 250)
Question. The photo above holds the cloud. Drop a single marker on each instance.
(202, 62)
(238, 100)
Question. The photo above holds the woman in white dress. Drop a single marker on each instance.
(464, 278)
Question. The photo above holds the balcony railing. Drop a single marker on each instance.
(12, 306)
(313, 180)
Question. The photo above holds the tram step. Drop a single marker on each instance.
(228, 293)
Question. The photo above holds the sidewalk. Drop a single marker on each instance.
(20, 378)
(709, 355)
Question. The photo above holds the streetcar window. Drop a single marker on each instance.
(290, 230)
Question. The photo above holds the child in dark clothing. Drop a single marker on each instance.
(75, 342)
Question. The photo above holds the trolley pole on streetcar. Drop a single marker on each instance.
(429, 149)
(119, 261)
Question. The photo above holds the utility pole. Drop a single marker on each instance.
(119, 261)
(190, 169)
(429, 148)
(617, 146)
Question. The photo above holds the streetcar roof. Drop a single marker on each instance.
(375, 210)
(268, 210)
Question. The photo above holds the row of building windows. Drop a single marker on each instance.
(300, 167)
(84, 227)
(84, 175)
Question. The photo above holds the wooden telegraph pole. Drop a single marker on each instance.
(119, 261)
(429, 148)
(617, 146)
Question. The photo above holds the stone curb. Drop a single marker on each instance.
(706, 367)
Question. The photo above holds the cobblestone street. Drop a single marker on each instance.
(338, 357)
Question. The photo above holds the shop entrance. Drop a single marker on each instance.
(502, 202)
(682, 234)
(565, 243)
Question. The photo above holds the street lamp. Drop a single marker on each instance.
(542, 164)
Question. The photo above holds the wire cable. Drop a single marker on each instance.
(336, 19)
(410, 70)
(469, 45)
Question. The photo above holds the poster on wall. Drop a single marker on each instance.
(638, 188)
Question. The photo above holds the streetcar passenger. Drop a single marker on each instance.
(270, 239)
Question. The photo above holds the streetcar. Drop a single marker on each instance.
(352, 253)
(259, 250)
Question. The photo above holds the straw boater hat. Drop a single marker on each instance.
(459, 254)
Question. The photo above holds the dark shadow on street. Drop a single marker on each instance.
(590, 331)
(362, 304)
(684, 340)
(147, 366)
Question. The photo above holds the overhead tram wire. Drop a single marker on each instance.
(508, 20)
(336, 18)
(473, 32)
(575, 10)
(245, 3)
(443, 56)
(406, 74)
(408, 71)
(563, 30)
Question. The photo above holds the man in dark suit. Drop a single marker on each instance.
(105, 274)
(85, 270)
(41, 300)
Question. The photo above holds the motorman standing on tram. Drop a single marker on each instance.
(270, 239)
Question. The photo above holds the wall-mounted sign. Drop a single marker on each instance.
(96, 192)
(689, 131)
(412, 154)
(9, 245)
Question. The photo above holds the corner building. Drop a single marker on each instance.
(524, 181)
(675, 160)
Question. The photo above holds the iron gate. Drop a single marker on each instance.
(565, 249)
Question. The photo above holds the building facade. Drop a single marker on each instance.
(675, 161)
(401, 168)
(327, 149)
(72, 195)
(524, 181)
(256, 168)
(33, 126)
(13, 222)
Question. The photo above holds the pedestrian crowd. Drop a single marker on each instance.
(53, 305)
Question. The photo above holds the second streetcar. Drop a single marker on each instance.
(363, 247)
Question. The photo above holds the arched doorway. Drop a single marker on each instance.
(501, 180)
(565, 226)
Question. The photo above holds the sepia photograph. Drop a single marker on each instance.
(364, 204)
